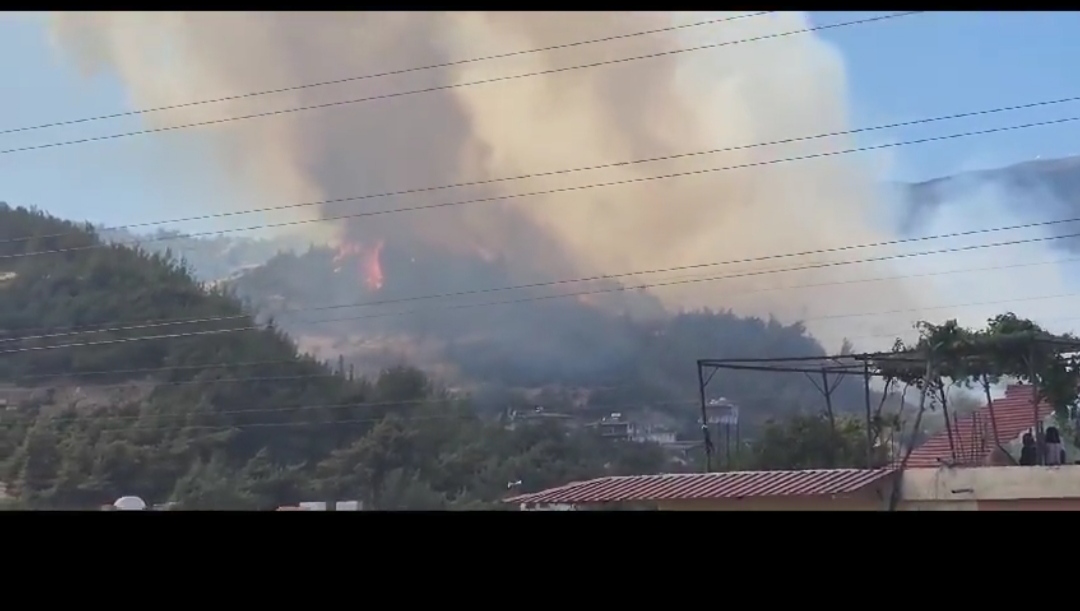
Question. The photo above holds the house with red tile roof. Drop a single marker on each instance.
(971, 440)
(949, 471)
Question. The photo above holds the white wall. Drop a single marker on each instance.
(991, 484)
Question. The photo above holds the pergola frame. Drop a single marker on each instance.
(830, 370)
(826, 373)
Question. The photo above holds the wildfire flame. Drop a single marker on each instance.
(371, 272)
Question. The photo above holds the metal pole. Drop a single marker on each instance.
(1040, 439)
(727, 444)
(704, 419)
(738, 443)
(869, 431)
(827, 391)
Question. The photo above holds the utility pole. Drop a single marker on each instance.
(704, 419)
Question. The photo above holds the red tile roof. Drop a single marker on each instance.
(973, 434)
(729, 485)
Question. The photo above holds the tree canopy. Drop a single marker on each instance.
(1007, 348)
(122, 375)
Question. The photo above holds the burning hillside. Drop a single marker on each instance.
(416, 288)
(533, 339)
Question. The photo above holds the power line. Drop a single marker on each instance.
(813, 266)
(909, 330)
(305, 407)
(213, 366)
(628, 181)
(948, 306)
(547, 297)
(432, 401)
(299, 360)
(212, 381)
(552, 283)
(220, 427)
(564, 171)
(283, 409)
(436, 400)
(428, 401)
(363, 77)
(487, 81)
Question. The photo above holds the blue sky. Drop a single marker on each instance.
(905, 69)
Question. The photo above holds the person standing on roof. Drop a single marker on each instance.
(1029, 454)
(1055, 451)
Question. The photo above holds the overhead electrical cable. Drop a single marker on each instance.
(453, 399)
(560, 172)
(219, 427)
(62, 419)
(299, 361)
(375, 75)
(814, 266)
(487, 81)
(629, 181)
(57, 332)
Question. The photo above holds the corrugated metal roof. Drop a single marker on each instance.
(973, 434)
(729, 485)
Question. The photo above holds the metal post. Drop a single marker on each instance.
(869, 431)
(832, 418)
(704, 419)
(738, 443)
(945, 413)
(727, 444)
(1040, 439)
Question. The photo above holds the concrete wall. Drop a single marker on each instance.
(938, 506)
(972, 489)
(982, 484)
(943, 489)
(871, 498)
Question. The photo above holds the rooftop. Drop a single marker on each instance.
(973, 441)
(973, 434)
(727, 485)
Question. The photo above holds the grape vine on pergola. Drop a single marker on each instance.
(943, 356)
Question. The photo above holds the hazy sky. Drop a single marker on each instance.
(921, 66)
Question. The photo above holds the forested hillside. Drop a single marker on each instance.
(556, 348)
(107, 395)
(543, 343)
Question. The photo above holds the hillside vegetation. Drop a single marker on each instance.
(557, 348)
(640, 366)
(225, 413)
(120, 374)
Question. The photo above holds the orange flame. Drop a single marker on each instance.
(373, 274)
(370, 262)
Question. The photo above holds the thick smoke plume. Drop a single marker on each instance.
(1036, 279)
(732, 96)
